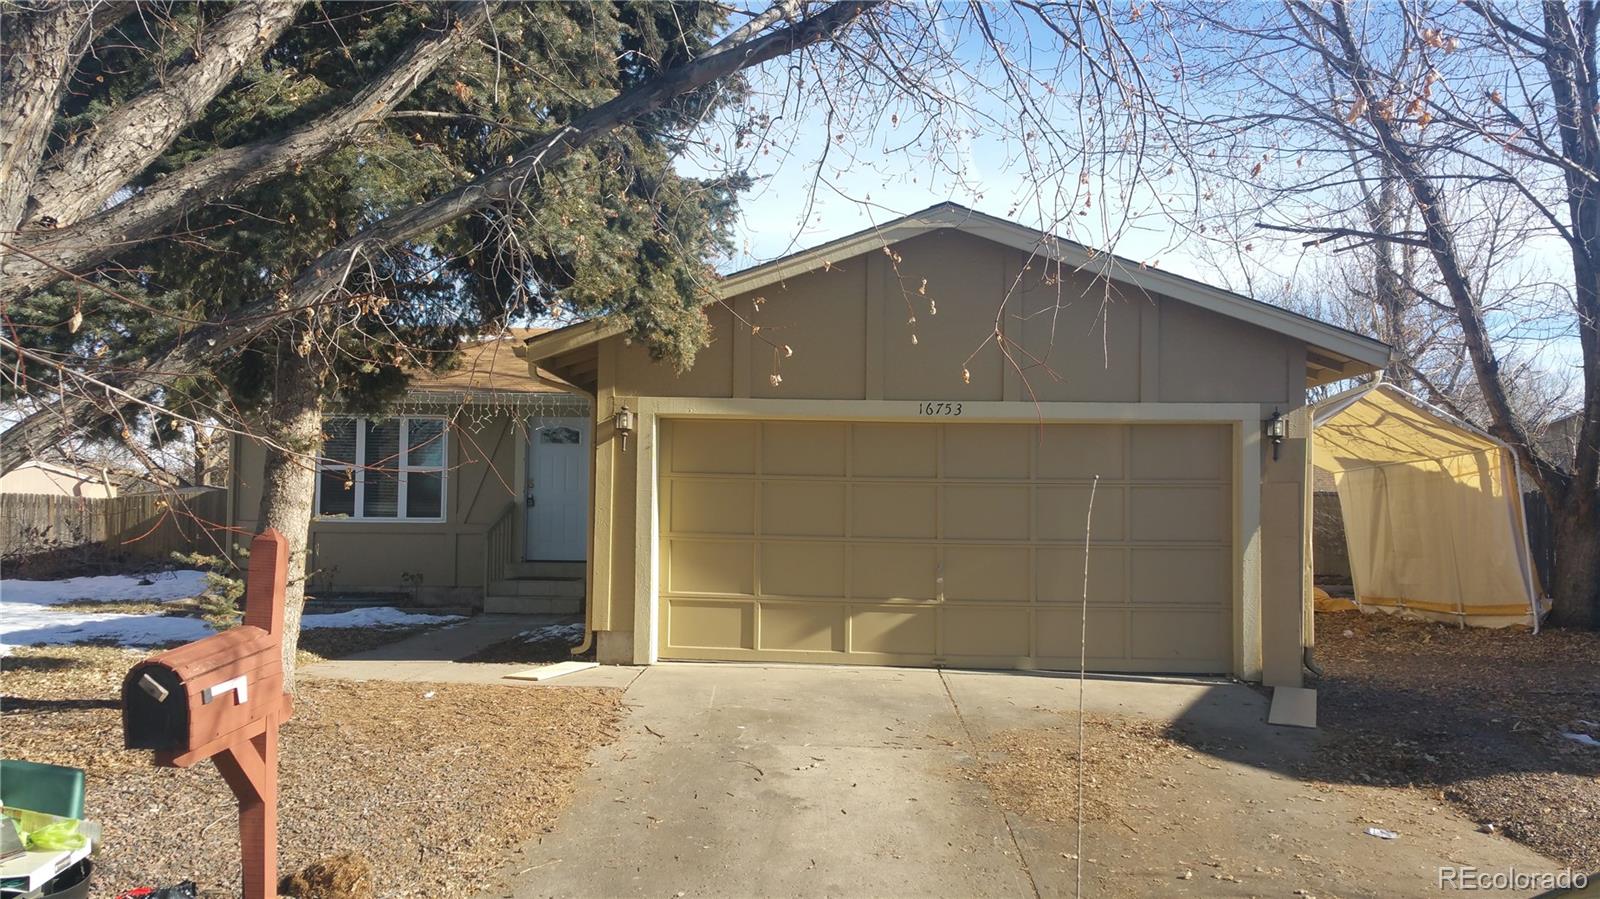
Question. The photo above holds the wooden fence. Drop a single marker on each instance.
(1541, 536)
(137, 525)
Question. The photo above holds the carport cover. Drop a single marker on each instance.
(1432, 509)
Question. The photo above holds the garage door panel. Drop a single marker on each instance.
(802, 569)
(701, 566)
(985, 512)
(1079, 452)
(710, 625)
(1061, 512)
(713, 447)
(803, 448)
(1180, 452)
(1060, 575)
(986, 572)
(894, 451)
(1180, 636)
(806, 627)
(1179, 513)
(803, 508)
(893, 571)
(1057, 632)
(987, 632)
(986, 452)
(948, 543)
(902, 631)
(698, 506)
(906, 511)
(1189, 576)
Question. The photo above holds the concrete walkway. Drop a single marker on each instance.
(430, 657)
(819, 781)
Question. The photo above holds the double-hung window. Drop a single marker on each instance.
(382, 469)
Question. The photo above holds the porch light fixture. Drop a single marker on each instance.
(1277, 428)
(622, 422)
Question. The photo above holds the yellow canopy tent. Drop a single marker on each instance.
(1432, 509)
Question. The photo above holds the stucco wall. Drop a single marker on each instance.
(1074, 339)
(436, 562)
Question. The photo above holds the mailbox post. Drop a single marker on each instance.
(222, 698)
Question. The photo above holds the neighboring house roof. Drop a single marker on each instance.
(38, 476)
(490, 369)
(1336, 352)
(1559, 439)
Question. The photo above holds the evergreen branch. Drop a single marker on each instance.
(205, 345)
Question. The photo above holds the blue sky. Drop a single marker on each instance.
(812, 186)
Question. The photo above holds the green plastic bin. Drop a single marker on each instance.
(52, 789)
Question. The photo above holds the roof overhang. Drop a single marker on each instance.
(1334, 353)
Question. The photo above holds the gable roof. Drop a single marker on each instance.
(1336, 352)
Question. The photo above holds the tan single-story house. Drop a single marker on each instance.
(888, 452)
(473, 490)
(52, 479)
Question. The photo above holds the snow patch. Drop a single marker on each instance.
(379, 616)
(22, 624)
(552, 633)
(27, 619)
(159, 586)
(1582, 739)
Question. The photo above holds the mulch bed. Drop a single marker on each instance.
(432, 784)
(324, 643)
(1472, 714)
(521, 651)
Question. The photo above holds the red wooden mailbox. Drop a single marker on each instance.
(222, 698)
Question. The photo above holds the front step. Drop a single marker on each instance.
(538, 586)
(546, 569)
(496, 604)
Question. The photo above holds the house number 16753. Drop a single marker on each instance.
(938, 408)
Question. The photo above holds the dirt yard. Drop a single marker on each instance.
(1473, 716)
(432, 783)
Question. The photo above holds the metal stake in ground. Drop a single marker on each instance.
(1083, 665)
(222, 698)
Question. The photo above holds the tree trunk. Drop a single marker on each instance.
(202, 454)
(40, 44)
(289, 483)
(1575, 591)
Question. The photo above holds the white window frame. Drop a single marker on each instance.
(357, 472)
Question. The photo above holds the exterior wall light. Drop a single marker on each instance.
(622, 422)
(1277, 428)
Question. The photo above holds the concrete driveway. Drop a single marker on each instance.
(746, 781)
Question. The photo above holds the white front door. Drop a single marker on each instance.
(558, 490)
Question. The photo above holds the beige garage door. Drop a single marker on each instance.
(953, 544)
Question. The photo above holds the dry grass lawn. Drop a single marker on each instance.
(1034, 771)
(433, 784)
(1472, 715)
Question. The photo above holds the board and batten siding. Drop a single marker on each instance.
(1074, 338)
